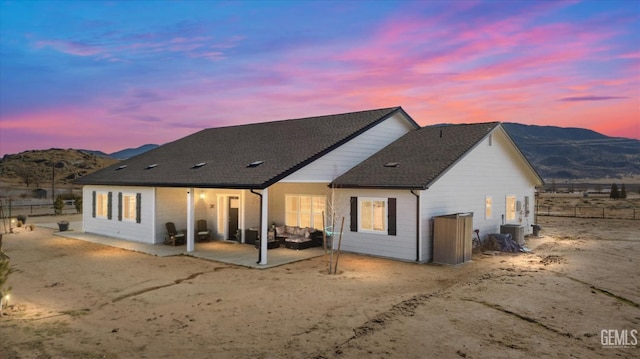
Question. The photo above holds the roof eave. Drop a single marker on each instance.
(180, 185)
(378, 186)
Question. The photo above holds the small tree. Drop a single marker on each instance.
(5, 270)
(26, 174)
(58, 205)
(623, 191)
(78, 204)
(615, 194)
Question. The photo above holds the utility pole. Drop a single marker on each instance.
(53, 180)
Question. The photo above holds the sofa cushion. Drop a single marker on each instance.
(280, 230)
(297, 240)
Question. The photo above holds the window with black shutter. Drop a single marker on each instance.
(119, 206)
(138, 207)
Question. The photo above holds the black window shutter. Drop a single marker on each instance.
(93, 208)
(354, 214)
(138, 207)
(391, 219)
(119, 206)
(109, 206)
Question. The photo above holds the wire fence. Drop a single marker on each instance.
(34, 210)
(589, 212)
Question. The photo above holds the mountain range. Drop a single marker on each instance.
(575, 153)
(124, 154)
(557, 153)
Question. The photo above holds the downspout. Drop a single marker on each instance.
(259, 251)
(417, 225)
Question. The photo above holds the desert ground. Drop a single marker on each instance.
(73, 299)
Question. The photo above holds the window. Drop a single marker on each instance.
(511, 208)
(129, 206)
(373, 214)
(102, 205)
(488, 207)
(526, 206)
(304, 211)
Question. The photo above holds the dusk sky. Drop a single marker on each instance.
(111, 75)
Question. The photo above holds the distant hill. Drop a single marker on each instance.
(575, 153)
(131, 152)
(97, 153)
(35, 168)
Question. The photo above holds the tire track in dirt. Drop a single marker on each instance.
(175, 282)
(523, 317)
(604, 291)
(406, 308)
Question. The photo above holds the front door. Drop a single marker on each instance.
(234, 213)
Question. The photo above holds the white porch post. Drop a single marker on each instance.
(190, 214)
(242, 217)
(264, 228)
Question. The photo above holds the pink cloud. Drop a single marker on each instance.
(71, 47)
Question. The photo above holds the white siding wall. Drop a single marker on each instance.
(340, 160)
(401, 246)
(495, 171)
(171, 207)
(252, 209)
(138, 232)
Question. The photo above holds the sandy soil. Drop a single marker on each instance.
(72, 299)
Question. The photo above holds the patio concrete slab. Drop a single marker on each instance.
(221, 251)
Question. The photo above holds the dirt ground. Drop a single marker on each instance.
(72, 299)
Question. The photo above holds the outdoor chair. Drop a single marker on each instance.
(173, 236)
(204, 234)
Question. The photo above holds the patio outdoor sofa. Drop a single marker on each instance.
(299, 238)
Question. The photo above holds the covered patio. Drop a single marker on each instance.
(218, 250)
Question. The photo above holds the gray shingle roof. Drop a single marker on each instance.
(283, 146)
(417, 159)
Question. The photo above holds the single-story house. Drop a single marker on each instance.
(379, 169)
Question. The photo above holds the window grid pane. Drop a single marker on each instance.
(366, 215)
(511, 208)
(101, 205)
(305, 204)
(378, 215)
(305, 220)
(129, 204)
(317, 221)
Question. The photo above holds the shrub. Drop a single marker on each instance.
(5, 270)
(58, 205)
(78, 204)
